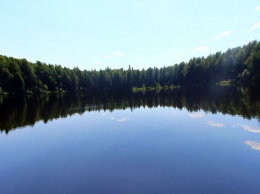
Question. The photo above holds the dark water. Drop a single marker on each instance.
(181, 141)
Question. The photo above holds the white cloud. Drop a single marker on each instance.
(258, 8)
(201, 49)
(196, 115)
(107, 56)
(216, 124)
(223, 34)
(251, 129)
(112, 118)
(122, 120)
(253, 144)
(97, 62)
(118, 54)
(255, 26)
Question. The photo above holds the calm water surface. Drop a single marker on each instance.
(145, 150)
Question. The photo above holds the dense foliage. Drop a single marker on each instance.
(239, 65)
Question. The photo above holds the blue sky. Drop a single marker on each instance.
(112, 33)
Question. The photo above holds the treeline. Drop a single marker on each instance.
(17, 111)
(240, 65)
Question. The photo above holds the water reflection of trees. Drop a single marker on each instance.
(20, 111)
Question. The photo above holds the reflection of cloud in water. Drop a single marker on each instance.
(196, 115)
(216, 124)
(112, 118)
(253, 144)
(251, 129)
(122, 120)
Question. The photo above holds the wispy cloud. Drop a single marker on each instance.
(122, 120)
(213, 124)
(251, 129)
(253, 144)
(223, 34)
(106, 56)
(201, 49)
(258, 8)
(255, 26)
(196, 115)
(118, 54)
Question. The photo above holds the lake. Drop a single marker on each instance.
(180, 141)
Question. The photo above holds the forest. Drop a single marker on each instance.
(239, 66)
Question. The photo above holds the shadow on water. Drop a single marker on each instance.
(21, 111)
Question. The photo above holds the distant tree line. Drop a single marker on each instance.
(240, 65)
